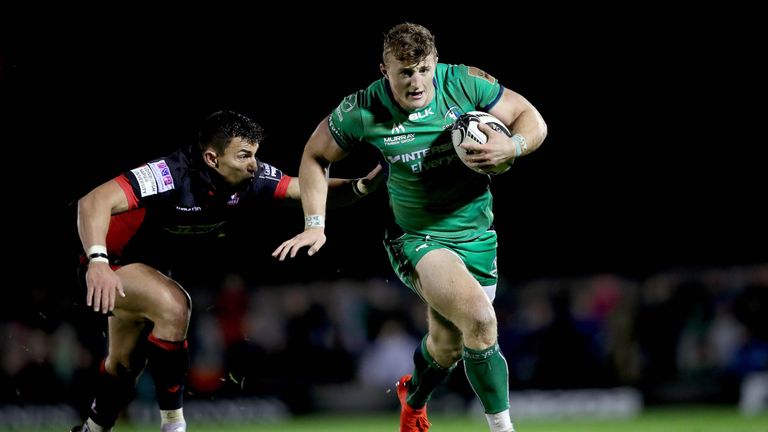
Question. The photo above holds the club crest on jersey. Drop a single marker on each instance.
(234, 199)
(451, 116)
(346, 106)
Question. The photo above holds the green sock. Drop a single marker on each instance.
(427, 375)
(487, 372)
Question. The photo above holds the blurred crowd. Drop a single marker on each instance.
(684, 336)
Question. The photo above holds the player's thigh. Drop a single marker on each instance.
(448, 287)
(150, 295)
(152, 302)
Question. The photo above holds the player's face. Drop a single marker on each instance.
(238, 163)
(411, 84)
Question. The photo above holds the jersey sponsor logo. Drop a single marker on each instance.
(189, 209)
(346, 106)
(418, 154)
(427, 158)
(162, 175)
(479, 73)
(145, 180)
(398, 128)
(269, 172)
(332, 126)
(194, 229)
(421, 114)
(400, 139)
(426, 165)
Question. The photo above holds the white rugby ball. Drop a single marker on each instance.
(465, 129)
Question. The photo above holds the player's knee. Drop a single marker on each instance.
(482, 327)
(447, 349)
(176, 315)
(174, 309)
(123, 365)
(452, 355)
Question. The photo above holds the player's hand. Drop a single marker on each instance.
(498, 149)
(103, 286)
(314, 238)
(373, 180)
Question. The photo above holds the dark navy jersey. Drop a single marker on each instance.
(178, 202)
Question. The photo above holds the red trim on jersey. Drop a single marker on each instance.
(167, 345)
(125, 185)
(121, 228)
(282, 187)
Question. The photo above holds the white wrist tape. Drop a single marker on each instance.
(520, 145)
(314, 221)
(96, 249)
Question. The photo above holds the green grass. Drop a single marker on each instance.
(695, 419)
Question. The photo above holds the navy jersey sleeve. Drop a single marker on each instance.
(270, 183)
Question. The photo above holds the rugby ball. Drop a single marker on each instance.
(465, 129)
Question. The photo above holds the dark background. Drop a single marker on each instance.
(655, 164)
(653, 159)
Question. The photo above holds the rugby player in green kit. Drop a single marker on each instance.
(442, 243)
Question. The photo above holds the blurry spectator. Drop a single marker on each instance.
(567, 356)
(388, 357)
(231, 309)
(659, 323)
(752, 310)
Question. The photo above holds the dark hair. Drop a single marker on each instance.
(409, 43)
(221, 127)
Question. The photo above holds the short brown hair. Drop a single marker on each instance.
(409, 43)
(221, 127)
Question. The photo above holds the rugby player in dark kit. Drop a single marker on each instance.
(128, 226)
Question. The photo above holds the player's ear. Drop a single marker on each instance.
(210, 158)
(383, 70)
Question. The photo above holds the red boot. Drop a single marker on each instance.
(411, 419)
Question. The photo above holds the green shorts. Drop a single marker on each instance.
(478, 254)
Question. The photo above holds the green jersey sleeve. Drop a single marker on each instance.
(479, 86)
(346, 121)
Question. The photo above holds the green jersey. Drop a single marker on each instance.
(431, 191)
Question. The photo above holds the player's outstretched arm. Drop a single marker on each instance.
(319, 152)
(343, 192)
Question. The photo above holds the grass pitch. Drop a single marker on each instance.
(691, 419)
